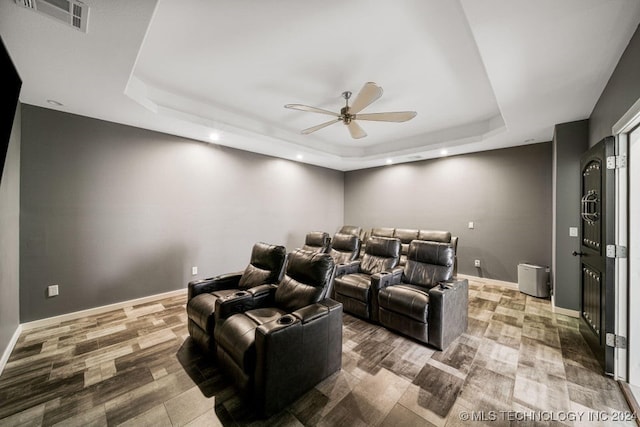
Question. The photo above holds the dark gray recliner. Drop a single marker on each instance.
(344, 248)
(265, 267)
(317, 241)
(356, 284)
(350, 229)
(424, 302)
(276, 349)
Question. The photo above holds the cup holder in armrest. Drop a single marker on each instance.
(240, 293)
(286, 320)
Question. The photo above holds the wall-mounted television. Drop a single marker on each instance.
(11, 84)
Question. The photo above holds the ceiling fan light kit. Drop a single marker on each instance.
(349, 114)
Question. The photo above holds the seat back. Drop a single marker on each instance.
(350, 229)
(428, 263)
(382, 232)
(406, 236)
(307, 280)
(434, 236)
(344, 248)
(266, 265)
(317, 241)
(381, 254)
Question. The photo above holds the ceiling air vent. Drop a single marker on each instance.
(72, 13)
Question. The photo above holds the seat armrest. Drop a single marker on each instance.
(448, 312)
(311, 312)
(380, 281)
(348, 268)
(211, 284)
(260, 290)
(262, 295)
(238, 302)
(296, 352)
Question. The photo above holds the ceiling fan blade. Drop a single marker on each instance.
(398, 116)
(355, 130)
(369, 93)
(310, 109)
(318, 127)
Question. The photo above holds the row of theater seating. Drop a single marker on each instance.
(276, 327)
(395, 283)
(273, 328)
(322, 242)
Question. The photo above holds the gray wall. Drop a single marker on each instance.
(621, 92)
(9, 238)
(570, 141)
(111, 213)
(507, 193)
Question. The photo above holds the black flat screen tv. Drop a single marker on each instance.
(11, 84)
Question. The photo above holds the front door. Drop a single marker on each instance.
(598, 268)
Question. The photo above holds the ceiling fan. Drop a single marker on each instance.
(349, 113)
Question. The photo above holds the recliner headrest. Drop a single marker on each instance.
(310, 268)
(350, 229)
(268, 257)
(435, 236)
(382, 231)
(383, 246)
(317, 238)
(345, 242)
(405, 235)
(431, 253)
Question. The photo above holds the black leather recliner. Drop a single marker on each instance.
(356, 284)
(344, 248)
(278, 348)
(266, 266)
(317, 241)
(423, 301)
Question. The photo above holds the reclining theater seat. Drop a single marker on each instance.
(276, 349)
(406, 236)
(344, 248)
(317, 241)
(424, 302)
(350, 229)
(266, 266)
(356, 284)
(443, 237)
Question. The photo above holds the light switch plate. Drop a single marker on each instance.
(194, 271)
(573, 231)
(471, 225)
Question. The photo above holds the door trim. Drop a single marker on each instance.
(621, 129)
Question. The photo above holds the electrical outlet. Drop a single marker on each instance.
(476, 263)
(194, 271)
(52, 290)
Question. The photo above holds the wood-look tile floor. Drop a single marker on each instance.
(137, 366)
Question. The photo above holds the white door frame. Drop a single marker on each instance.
(621, 130)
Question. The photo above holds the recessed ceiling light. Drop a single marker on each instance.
(215, 136)
(54, 102)
(299, 157)
(444, 152)
(389, 161)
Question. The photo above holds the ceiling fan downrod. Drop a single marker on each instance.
(344, 111)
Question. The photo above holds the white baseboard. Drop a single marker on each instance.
(565, 311)
(490, 281)
(9, 348)
(98, 310)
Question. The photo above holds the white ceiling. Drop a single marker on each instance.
(482, 74)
